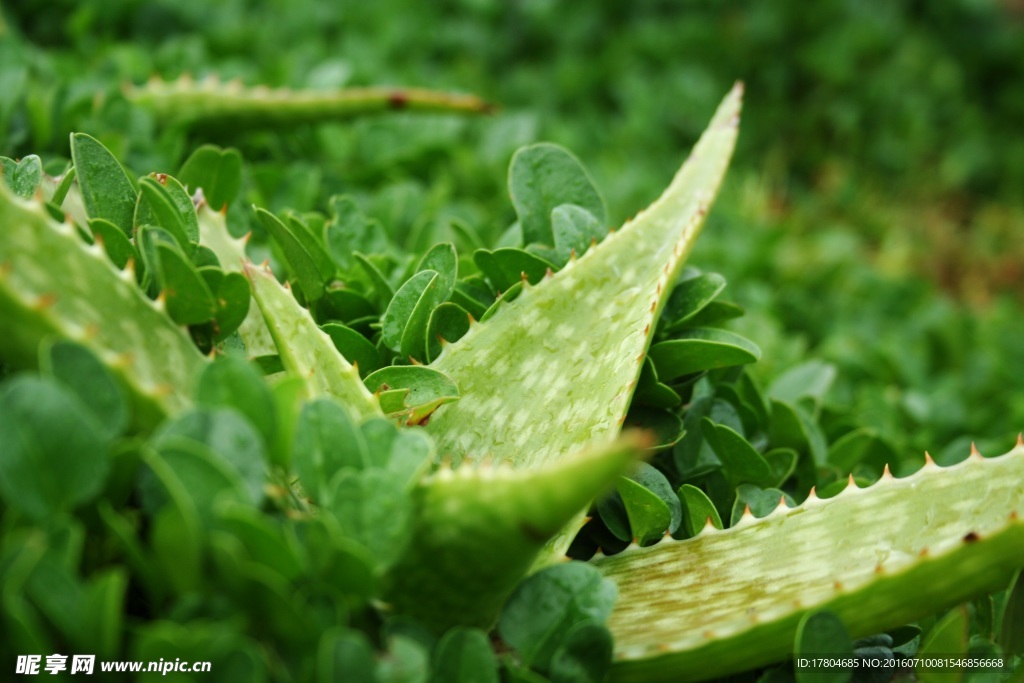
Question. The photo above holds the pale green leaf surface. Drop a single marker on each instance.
(305, 349)
(568, 350)
(104, 311)
(951, 533)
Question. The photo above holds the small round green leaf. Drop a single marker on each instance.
(106, 189)
(544, 609)
(48, 439)
(690, 297)
(164, 202)
(448, 323)
(703, 348)
(740, 461)
(420, 390)
(464, 655)
(697, 509)
(542, 177)
(78, 369)
(218, 172)
(232, 439)
(117, 245)
(326, 441)
(356, 349)
(189, 299)
(585, 656)
(231, 382)
(372, 508)
(821, 635)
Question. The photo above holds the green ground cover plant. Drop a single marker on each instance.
(341, 368)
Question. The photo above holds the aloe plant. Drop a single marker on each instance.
(423, 442)
(211, 102)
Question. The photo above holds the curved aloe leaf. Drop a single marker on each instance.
(479, 528)
(569, 350)
(210, 103)
(306, 350)
(104, 310)
(877, 557)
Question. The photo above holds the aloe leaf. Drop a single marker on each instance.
(569, 349)
(211, 103)
(104, 311)
(306, 350)
(478, 529)
(948, 534)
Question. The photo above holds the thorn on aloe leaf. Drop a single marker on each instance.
(975, 453)
(45, 301)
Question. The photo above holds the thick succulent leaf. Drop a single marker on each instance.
(569, 350)
(305, 349)
(211, 103)
(876, 557)
(479, 528)
(104, 311)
